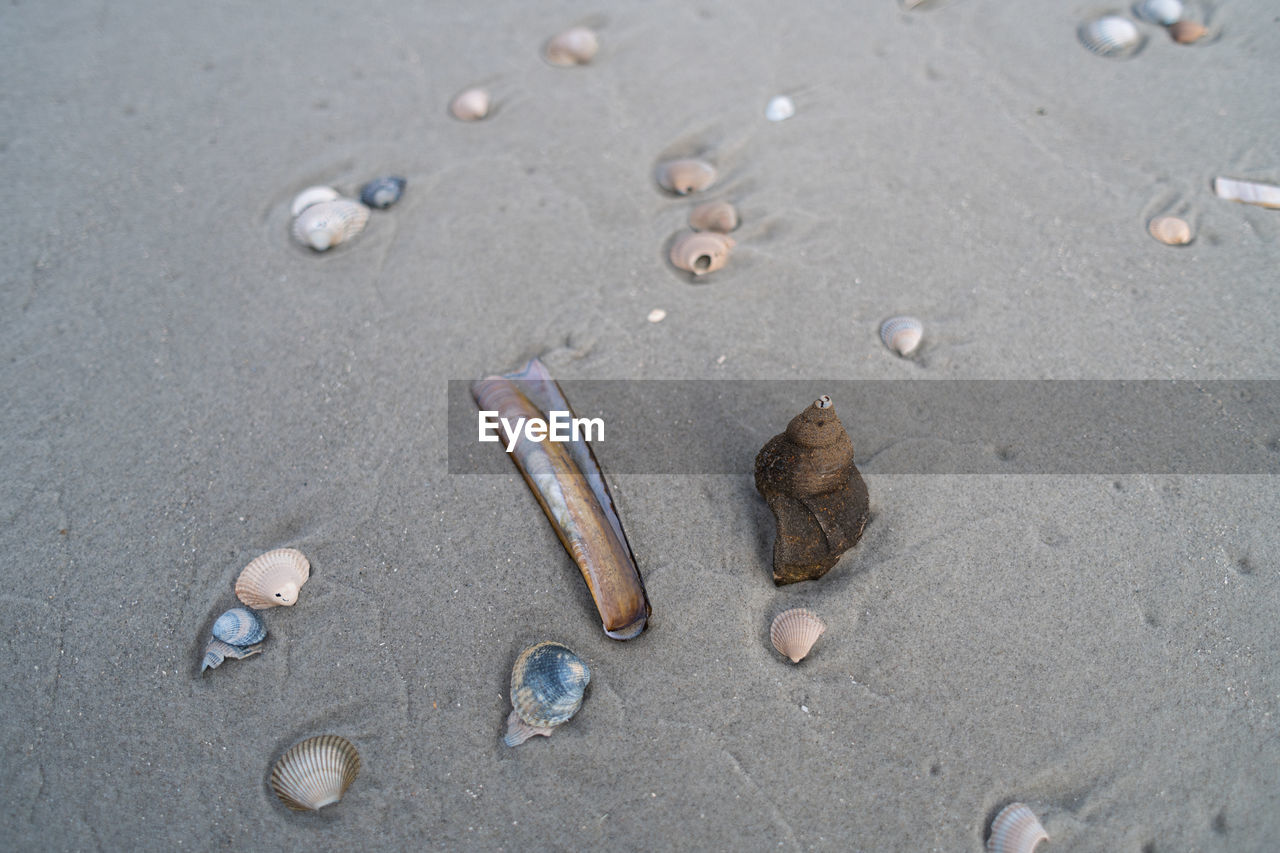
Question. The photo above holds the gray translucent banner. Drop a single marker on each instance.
(917, 427)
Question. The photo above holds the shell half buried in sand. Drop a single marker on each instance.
(383, 192)
(470, 105)
(714, 216)
(1111, 36)
(273, 579)
(1248, 192)
(316, 772)
(794, 632)
(701, 252)
(1170, 230)
(685, 176)
(547, 686)
(574, 46)
(1162, 12)
(310, 196)
(902, 334)
(325, 224)
(1187, 32)
(240, 626)
(1015, 829)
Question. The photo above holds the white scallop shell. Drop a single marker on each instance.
(574, 46)
(1249, 192)
(328, 223)
(273, 579)
(315, 772)
(794, 632)
(1162, 12)
(1111, 35)
(310, 196)
(1015, 829)
(780, 108)
(902, 334)
(470, 105)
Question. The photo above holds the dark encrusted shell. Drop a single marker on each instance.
(547, 684)
(383, 192)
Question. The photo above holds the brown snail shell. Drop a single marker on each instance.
(815, 492)
(1170, 230)
(574, 46)
(685, 176)
(701, 252)
(470, 105)
(718, 216)
(1187, 32)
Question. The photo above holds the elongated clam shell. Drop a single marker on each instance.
(1015, 829)
(383, 192)
(240, 626)
(1111, 36)
(574, 46)
(315, 772)
(1187, 32)
(714, 216)
(780, 108)
(701, 252)
(217, 651)
(470, 105)
(568, 483)
(794, 632)
(1249, 192)
(273, 579)
(310, 196)
(325, 224)
(902, 334)
(1162, 12)
(547, 685)
(685, 176)
(1170, 230)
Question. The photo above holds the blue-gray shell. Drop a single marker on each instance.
(547, 683)
(382, 192)
(217, 651)
(240, 626)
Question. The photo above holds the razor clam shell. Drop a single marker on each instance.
(902, 334)
(315, 772)
(574, 46)
(310, 196)
(701, 252)
(216, 651)
(328, 223)
(1015, 829)
(240, 626)
(1111, 36)
(1162, 12)
(718, 216)
(547, 685)
(1248, 192)
(569, 485)
(685, 176)
(794, 632)
(273, 579)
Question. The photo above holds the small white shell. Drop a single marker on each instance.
(701, 252)
(328, 223)
(310, 196)
(1249, 192)
(1111, 35)
(574, 46)
(1170, 230)
(685, 176)
(714, 216)
(315, 772)
(1162, 12)
(657, 315)
(902, 334)
(794, 632)
(470, 105)
(780, 108)
(1015, 829)
(273, 579)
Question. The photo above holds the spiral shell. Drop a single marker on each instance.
(718, 216)
(1162, 12)
(685, 176)
(240, 626)
(701, 252)
(902, 334)
(310, 196)
(794, 632)
(547, 684)
(470, 105)
(273, 579)
(1015, 829)
(383, 192)
(315, 772)
(328, 223)
(780, 108)
(574, 46)
(1170, 230)
(217, 651)
(1111, 36)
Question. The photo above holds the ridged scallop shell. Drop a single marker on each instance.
(701, 252)
(1162, 12)
(273, 579)
(310, 196)
(217, 651)
(1111, 35)
(315, 772)
(240, 626)
(718, 216)
(1248, 192)
(780, 108)
(902, 334)
(794, 632)
(685, 176)
(1015, 829)
(1187, 32)
(547, 683)
(574, 46)
(470, 105)
(328, 223)
(382, 192)
(1170, 230)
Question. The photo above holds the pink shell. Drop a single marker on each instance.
(794, 632)
(1015, 829)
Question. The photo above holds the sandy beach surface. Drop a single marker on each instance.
(185, 388)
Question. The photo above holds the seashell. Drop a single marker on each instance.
(1111, 36)
(328, 223)
(1170, 230)
(902, 334)
(240, 626)
(1187, 32)
(701, 252)
(568, 482)
(315, 772)
(217, 651)
(273, 579)
(547, 683)
(657, 315)
(1249, 192)
(815, 492)
(794, 632)
(1162, 12)
(685, 176)
(779, 108)
(1015, 829)
(714, 216)
(310, 196)
(470, 105)
(574, 46)
(382, 192)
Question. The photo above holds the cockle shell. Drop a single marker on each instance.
(383, 192)
(217, 651)
(310, 196)
(470, 105)
(701, 252)
(780, 108)
(574, 46)
(240, 626)
(1162, 12)
(315, 772)
(1170, 230)
(328, 223)
(902, 334)
(685, 176)
(1015, 829)
(714, 216)
(1111, 35)
(1187, 32)
(1249, 192)
(273, 579)
(547, 683)
(794, 632)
